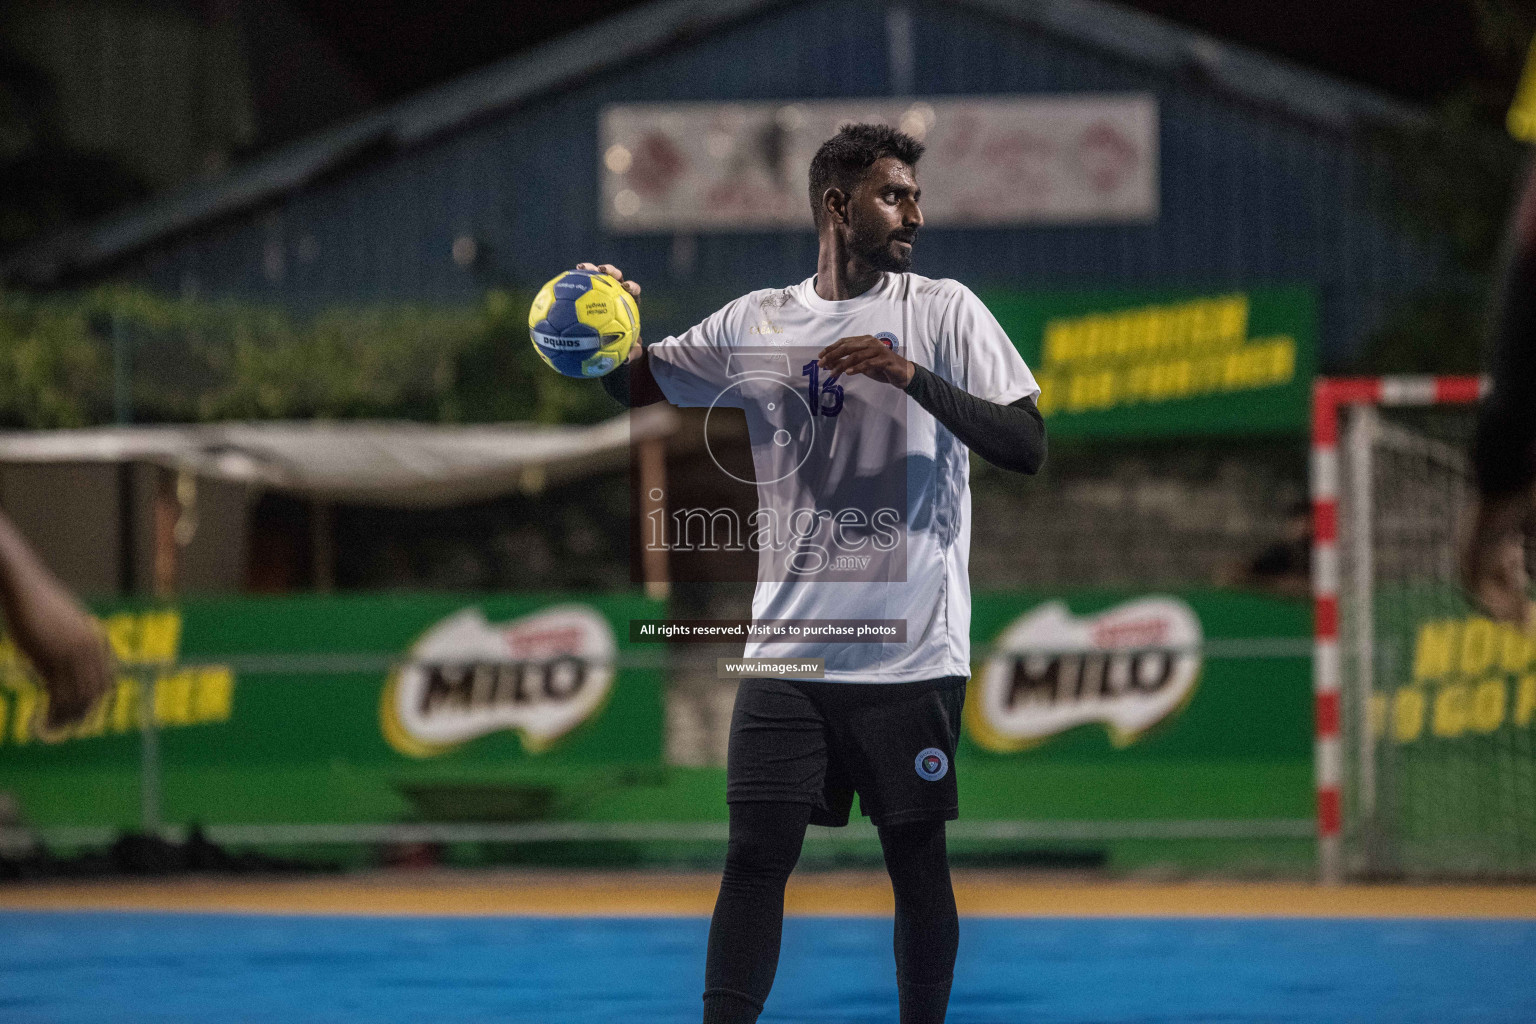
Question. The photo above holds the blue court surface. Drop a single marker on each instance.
(67, 967)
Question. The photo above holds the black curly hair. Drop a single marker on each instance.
(842, 160)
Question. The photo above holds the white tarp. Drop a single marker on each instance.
(368, 463)
(996, 160)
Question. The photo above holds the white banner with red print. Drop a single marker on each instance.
(999, 160)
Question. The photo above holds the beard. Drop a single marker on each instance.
(876, 247)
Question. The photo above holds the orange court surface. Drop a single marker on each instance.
(829, 894)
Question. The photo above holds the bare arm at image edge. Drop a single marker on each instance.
(64, 644)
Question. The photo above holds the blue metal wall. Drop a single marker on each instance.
(1249, 195)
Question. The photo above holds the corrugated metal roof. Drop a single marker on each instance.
(1242, 72)
(1120, 32)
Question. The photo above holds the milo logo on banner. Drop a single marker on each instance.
(540, 676)
(1128, 667)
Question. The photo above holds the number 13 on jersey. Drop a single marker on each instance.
(827, 399)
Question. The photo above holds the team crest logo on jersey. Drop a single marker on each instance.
(888, 339)
(1128, 667)
(932, 764)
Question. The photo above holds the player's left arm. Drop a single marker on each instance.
(1010, 436)
(979, 387)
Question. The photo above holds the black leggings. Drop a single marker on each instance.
(745, 931)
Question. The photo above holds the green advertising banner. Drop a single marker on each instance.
(341, 709)
(1166, 363)
(1448, 675)
(385, 708)
(1187, 706)
(1443, 783)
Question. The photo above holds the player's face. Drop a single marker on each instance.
(883, 215)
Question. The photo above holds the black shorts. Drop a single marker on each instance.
(818, 743)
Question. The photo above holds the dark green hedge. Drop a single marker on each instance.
(197, 361)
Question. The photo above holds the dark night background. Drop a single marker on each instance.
(309, 64)
(1419, 51)
(267, 72)
(1460, 59)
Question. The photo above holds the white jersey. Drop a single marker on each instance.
(867, 457)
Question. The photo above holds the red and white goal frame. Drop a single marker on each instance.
(1330, 396)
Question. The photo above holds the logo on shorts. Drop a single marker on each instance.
(932, 764)
(888, 339)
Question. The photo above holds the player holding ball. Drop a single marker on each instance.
(885, 718)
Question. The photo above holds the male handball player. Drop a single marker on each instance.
(885, 719)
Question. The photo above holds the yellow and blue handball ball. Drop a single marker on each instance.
(583, 323)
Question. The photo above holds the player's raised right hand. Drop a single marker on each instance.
(643, 389)
(633, 287)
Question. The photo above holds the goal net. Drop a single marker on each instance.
(1425, 708)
